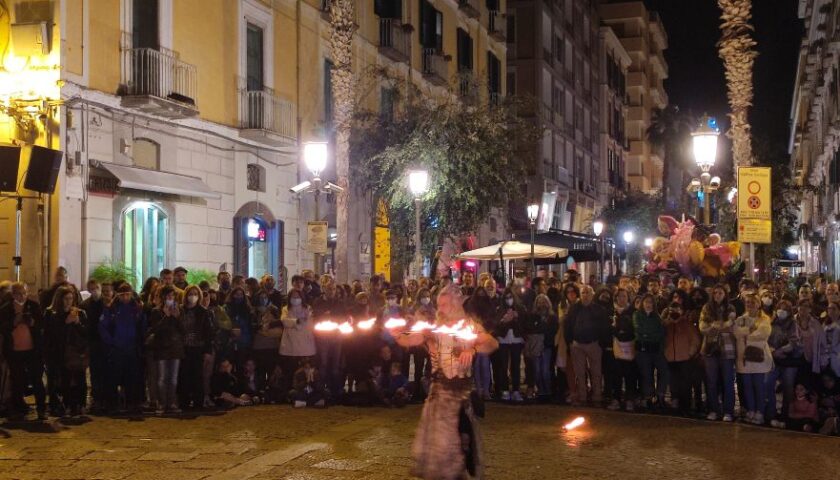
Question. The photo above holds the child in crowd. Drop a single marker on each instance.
(307, 390)
(802, 412)
(251, 382)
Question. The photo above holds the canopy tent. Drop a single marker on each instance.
(513, 250)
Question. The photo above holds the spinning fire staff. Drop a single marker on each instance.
(448, 442)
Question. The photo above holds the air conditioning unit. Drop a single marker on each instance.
(29, 39)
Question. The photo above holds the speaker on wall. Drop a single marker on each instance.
(9, 166)
(44, 164)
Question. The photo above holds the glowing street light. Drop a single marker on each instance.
(315, 157)
(533, 213)
(598, 229)
(704, 142)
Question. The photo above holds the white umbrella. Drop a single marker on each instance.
(513, 250)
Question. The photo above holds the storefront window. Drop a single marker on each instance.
(258, 255)
(144, 240)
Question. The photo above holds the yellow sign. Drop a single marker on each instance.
(755, 231)
(316, 240)
(754, 193)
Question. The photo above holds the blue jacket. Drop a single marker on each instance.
(123, 326)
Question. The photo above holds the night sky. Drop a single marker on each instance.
(696, 80)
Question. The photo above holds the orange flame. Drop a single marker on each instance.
(366, 324)
(395, 323)
(574, 424)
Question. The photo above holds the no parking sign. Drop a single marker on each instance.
(754, 208)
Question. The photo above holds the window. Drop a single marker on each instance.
(494, 74)
(431, 27)
(145, 24)
(256, 177)
(465, 51)
(254, 62)
(146, 154)
(511, 28)
(144, 240)
(328, 98)
(258, 254)
(388, 8)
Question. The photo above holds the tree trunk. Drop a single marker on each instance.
(341, 45)
(735, 48)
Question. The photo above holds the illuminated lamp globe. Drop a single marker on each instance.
(418, 182)
(315, 157)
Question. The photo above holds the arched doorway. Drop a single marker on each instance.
(145, 231)
(257, 241)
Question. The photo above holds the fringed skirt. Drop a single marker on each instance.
(448, 441)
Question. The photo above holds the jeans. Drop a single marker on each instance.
(787, 375)
(647, 361)
(626, 373)
(717, 369)
(125, 372)
(167, 381)
(481, 373)
(586, 357)
(754, 385)
(545, 368)
(329, 353)
(509, 357)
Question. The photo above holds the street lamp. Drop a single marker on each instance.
(533, 213)
(418, 183)
(315, 159)
(628, 239)
(704, 143)
(648, 242)
(598, 229)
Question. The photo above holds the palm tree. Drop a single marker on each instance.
(736, 50)
(342, 20)
(669, 130)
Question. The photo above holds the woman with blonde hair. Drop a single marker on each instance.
(754, 360)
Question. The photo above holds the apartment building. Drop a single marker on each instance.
(815, 130)
(180, 124)
(643, 36)
(614, 65)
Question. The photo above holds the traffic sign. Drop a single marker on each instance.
(754, 188)
(755, 231)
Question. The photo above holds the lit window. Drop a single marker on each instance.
(145, 232)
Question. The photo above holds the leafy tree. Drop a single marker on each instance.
(635, 211)
(477, 154)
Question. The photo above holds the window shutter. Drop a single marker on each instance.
(388, 8)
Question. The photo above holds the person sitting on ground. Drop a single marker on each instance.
(225, 387)
(802, 412)
(251, 383)
(274, 392)
(397, 392)
(307, 390)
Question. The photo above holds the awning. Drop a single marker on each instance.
(512, 250)
(161, 182)
(581, 246)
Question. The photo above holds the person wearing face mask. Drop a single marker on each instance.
(298, 340)
(826, 354)
(241, 315)
(507, 359)
(767, 302)
(224, 281)
(198, 338)
(166, 336)
(482, 307)
(682, 344)
(718, 349)
(788, 357)
(329, 306)
(275, 296)
(21, 330)
(122, 329)
(94, 307)
(392, 309)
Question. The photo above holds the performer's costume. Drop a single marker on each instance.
(448, 443)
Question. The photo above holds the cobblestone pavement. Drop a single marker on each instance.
(277, 442)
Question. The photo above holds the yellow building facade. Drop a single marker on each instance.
(180, 122)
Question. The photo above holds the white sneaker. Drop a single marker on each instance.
(758, 418)
(713, 416)
(614, 405)
(727, 418)
(777, 423)
(505, 396)
(516, 397)
(299, 404)
(630, 406)
(750, 416)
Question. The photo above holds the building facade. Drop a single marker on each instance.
(181, 123)
(815, 136)
(643, 36)
(614, 65)
(553, 55)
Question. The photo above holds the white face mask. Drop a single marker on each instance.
(192, 299)
(425, 301)
(20, 303)
(519, 282)
(509, 302)
(170, 303)
(392, 302)
(295, 302)
(767, 301)
(782, 314)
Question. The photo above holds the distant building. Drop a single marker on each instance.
(614, 64)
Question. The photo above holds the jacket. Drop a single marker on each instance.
(198, 328)
(648, 327)
(586, 324)
(753, 332)
(785, 343)
(241, 318)
(622, 325)
(31, 315)
(123, 327)
(59, 335)
(827, 349)
(166, 335)
(717, 328)
(298, 338)
(516, 325)
(682, 339)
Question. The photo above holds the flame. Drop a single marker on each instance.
(366, 324)
(395, 323)
(447, 330)
(345, 328)
(421, 325)
(574, 424)
(326, 326)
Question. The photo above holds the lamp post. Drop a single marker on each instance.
(418, 183)
(628, 239)
(598, 229)
(704, 144)
(315, 159)
(533, 213)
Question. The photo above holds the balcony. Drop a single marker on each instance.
(265, 117)
(434, 67)
(393, 39)
(158, 82)
(496, 25)
(470, 8)
(467, 89)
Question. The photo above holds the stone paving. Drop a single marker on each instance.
(278, 442)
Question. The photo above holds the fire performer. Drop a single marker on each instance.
(448, 442)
